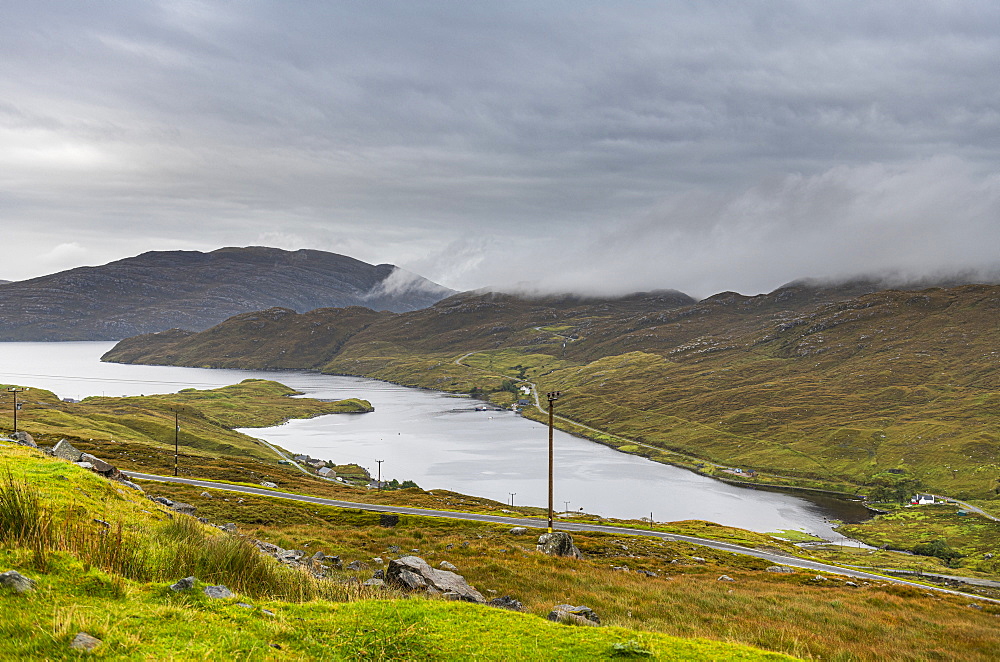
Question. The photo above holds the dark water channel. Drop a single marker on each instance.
(440, 441)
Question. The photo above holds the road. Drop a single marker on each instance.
(777, 559)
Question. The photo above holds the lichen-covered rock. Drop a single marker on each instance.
(15, 581)
(218, 592)
(558, 543)
(570, 615)
(185, 584)
(410, 571)
(506, 602)
(24, 439)
(84, 641)
(66, 451)
(779, 568)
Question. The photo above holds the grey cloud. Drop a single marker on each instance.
(693, 145)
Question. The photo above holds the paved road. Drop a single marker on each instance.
(564, 526)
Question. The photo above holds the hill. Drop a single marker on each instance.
(892, 390)
(192, 290)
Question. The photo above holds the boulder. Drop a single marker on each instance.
(558, 543)
(518, 531)
(570, 615)
(24, 439)
(16, 582)
(725, 578)
(445, 565)
(184, 508)
(128, 483)
(83, 641)
(66, 451)
(779, 568)
(268, 484)
(185, 584)
(375, 582)
(217, 592)
(410, 571)
(506, 602)
(100, 466)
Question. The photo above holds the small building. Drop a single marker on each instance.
(327, 472)
(922, 499)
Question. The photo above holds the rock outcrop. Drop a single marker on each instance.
(570, 615)
(558, 543)
(415, 574)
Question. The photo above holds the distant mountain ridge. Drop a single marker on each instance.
(193, 290)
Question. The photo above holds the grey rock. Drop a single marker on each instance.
(648, 573)
(217, 592)
(83, 641)
(185, 584)
(357, 565)
(374, 581)
(100, 466)
(388, 520)
(24, 439)
(206, 495)
(268, 484)
(393, 549)
(244, 605)
(570, 615)
(725, 578)
(620, 568)
(558, 543)
(402, 572)
(184, 508)
(66, 451)
(518, 531)
(16, 582)
(850, 584)
(378, 559)
(318, 557)
(378, 574)
(445, 565)
(85, 465)
(506, 602)
(163, 500)
(128, 483)
(409, 580)
(779, 569)
(230, 527)
(698, 559)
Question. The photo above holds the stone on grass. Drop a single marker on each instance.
(411, 571)
(185, 584)
(229, 527)
(506, 602)
(570, 615)
(357, 565)
(558, 543)
(268, 484)
(16, 582)
(725, 578)
(518, 531)
(85, 642)
(445, 565)
(779, 568)
(24, 439)
(66, 451)
(374, 581)
(218, 592)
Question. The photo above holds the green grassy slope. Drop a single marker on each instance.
(103, 558)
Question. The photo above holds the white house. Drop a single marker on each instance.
(922, 499)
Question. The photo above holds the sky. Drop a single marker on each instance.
(599, 147)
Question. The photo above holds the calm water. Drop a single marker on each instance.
(439, 441)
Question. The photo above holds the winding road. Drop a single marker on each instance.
(564, 526)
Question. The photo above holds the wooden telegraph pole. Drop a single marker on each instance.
(552, 396)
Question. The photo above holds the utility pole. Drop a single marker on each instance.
(177, 429)
(512, 498)
(380, 474)
(551, 396)
(15, 390)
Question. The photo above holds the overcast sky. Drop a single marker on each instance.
(608, 146)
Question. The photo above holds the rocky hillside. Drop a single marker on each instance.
(893, 389)
(191, 290)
